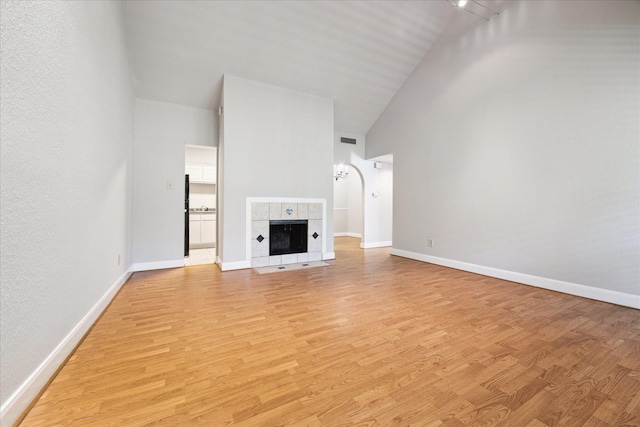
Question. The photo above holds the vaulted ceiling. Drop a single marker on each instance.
(358, 53)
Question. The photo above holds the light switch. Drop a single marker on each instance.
(169, 185)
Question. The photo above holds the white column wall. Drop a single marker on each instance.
(277, 143)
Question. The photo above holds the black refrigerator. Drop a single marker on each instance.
(186, 215)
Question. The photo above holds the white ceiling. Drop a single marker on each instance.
(358, 53)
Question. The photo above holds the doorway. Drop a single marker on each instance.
(348, 204)
(363, 202)
(200, 205)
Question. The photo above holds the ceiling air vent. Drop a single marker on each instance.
(348, 140)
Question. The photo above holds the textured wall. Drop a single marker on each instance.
(516, 146)
(66, 164)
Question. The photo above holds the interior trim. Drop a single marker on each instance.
(14, 407)
(157, 265)
(328, 255)
(348, 234)
(375, 244)
(238, 265)
(598, 294)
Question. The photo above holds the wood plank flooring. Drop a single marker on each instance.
(372, 340)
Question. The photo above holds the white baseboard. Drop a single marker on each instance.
(375, 245)
(238, 265)
(599, 294)
(18, 402)
(348, 234)
(157, 265)
(329, 255)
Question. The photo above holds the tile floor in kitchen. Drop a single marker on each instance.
(200, 256)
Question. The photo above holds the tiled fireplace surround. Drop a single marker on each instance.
(265, 209)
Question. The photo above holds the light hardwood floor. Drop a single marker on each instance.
(372, 340)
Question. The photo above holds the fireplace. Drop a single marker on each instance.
(287, 237)
(285, 231)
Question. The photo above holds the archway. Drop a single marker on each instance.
(348, 204)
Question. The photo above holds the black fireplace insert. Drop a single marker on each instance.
(287, 236)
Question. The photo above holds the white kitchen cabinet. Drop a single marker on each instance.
(199, 174)
(194, 229)
(194, 172)
(209, 174)
(208, 229)
(202, 229)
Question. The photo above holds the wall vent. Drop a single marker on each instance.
(347, 140)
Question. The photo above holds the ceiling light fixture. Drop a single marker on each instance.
(474, 7)
(340, 171)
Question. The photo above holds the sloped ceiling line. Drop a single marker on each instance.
(358, 53)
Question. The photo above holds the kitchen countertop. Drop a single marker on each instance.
(198, 211)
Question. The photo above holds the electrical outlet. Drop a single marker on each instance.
(169, 185)
(430, 243)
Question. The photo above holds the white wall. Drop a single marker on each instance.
(516, 147)
(66, 183)
(277, 143)
(340, 207)
(356, 209)
(161, 132)
(200, 154)
(379, 207)
(220, 184)
(348, 211)
(385, 199)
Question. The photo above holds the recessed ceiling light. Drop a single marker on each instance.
(461, 3)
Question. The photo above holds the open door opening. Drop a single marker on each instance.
(200, 220)
(348, 203)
